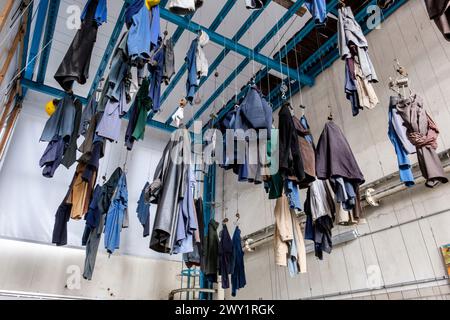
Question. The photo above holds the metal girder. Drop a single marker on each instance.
(214, 25)
(48, 37)
(37, 36)
(51, 91)
(109, 49)
(240, 49)
(330, 52)
(57, 93)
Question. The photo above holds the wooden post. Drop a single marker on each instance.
(11, 52)
(5, 13)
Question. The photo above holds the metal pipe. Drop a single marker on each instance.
(180, 291)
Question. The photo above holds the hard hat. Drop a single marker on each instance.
(50, 107)
(151, 3)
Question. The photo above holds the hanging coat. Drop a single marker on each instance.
(350, 33)
(423, 133)
(169, 61)
(291, 163)
(62, 122)
(88, 111)
(186, 223)
(191, 63)
(238, 280)
(119, 72)
(115, 217)
(156, 69)
(111, 123)
(75, 65)
(143, 212)
(139, 36)
(439, 11)
(70, 152)
(200, 56)
(334, 157)
(172, 176)
(225, 256)
(404, 165)
(211, 252)
(307, 153)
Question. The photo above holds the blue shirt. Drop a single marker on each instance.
(101, 12)
(115, 216)
(318, 9)
(404, 165)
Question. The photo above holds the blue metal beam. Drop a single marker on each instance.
(272, 32)
(48, 37)
(42, 88)
(214, 25)
(330, 50)
(57, 93)
(240, 49)
(109, 49)
(37, 36)
(26, 41)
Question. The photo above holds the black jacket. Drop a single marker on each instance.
(291, 163)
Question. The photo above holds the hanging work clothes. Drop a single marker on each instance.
(70, 152)
(116, 216)
(403, 147)
(256, 110)
(200, 56)
(293, 195)
(62, 122)
(193, 258)
(225, 256)
(187, 222)
(139, 36)
(80, 192)
(132, 10)
(291, 163)
(143, 212)
(439, 11)
(182, 7)
(62, 217)
(169, 61)
(88, 112)
(75, 65)
(366, 93)
(350, 33)
(334, 157)
(93, 214)
(171, 174)
(52, 157)
(191, 63)
(156, 69)
(238, 280)
(211, 252)
(423, 134)
(138, 113)
(287, 230)
(119, 73)
(351, 91)
(255, 4)
(101, 12)
(320, 212)
(111, 123)
(307, 153)
(155, 27)
(318, 9)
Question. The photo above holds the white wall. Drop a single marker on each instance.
(403, 254)
(28, 205)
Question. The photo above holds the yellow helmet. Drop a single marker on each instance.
(50, 107)
(151, 3)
